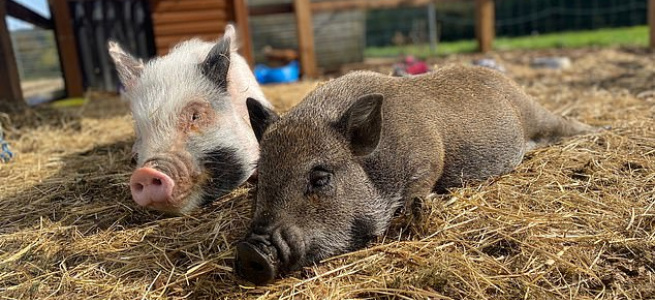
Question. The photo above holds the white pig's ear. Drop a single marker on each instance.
(260, 117)
(217, 63)
(231, 34)
(361, 124)
(129, 69)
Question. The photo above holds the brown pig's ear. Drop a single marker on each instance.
(362, 124)
(129, 68)
(217, 63)
(260, 117)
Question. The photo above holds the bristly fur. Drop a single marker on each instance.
(339, 164)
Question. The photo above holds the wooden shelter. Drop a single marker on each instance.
(172, 21)
(176, 20)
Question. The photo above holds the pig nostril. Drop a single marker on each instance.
(156, 181)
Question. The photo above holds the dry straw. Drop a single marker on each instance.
(574, 221)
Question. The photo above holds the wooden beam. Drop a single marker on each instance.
(67, 46)
(243, 30)
(305, 28)
(11, 96)
(159, 18)
(484, 24)
(186, 5)
(25, 14)
(651, 22)
(190, 28)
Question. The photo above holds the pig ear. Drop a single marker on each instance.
(217, 62)
(129, 68)
(362, 124)
(260, 117)
(231, 33)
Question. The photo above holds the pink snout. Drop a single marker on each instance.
(151, 187)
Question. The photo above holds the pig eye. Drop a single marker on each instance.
(195, 116)
(319, 178)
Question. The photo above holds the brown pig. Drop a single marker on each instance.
(335, 169)
(194, 142)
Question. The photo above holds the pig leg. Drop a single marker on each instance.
(424, 179)
(543, 127)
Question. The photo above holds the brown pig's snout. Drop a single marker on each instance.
(150, 186)
(256, 262)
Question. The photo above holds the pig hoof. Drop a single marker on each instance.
(254, 265)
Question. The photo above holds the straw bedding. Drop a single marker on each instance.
(575, 220)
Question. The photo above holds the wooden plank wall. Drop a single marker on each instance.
(178, 20)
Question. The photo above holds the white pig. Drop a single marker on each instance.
(194, 142)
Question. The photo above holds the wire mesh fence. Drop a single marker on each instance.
(410, 26)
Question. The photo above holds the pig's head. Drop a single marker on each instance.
(314, 199)
(194, 142)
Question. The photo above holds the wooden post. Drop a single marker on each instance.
(305, 28)
(241, 18)
(11, 95)
(67, 46)
(484, 24)
(651, 22)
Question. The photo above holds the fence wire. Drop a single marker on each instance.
(456, 20)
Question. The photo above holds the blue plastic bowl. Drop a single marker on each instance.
(289, 73)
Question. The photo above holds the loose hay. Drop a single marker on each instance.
(575, 220)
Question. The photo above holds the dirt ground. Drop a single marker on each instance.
(575, 220)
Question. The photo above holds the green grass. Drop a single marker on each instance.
(627, 36)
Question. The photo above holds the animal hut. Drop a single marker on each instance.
(145, 27)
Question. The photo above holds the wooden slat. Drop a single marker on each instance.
(651, 22)
(305, 37)
(66, 45)
(159, 6)
(11, 96)
(484, 24)
(23, 13)
(165, 42)
(243, 28)
(165, 18)
(191, 28)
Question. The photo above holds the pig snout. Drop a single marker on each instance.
(267, 252)
(256, 262)
(149, 186)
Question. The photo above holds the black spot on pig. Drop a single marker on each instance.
(225, 174)
(217, 63)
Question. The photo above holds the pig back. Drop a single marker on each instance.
(456, 123)
(474, 112)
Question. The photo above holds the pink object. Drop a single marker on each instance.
(409, 60)
(149, 186)
(417, 67)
